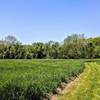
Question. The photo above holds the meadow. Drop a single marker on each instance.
(34, 79)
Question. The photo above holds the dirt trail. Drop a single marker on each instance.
(66, 89)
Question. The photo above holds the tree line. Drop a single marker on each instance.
(72, 47)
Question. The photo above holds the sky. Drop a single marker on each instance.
(43, 20)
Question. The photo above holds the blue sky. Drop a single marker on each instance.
(44, 20)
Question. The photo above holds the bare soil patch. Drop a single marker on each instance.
(66, 87)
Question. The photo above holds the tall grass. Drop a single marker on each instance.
(34, 79)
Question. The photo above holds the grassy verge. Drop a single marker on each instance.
(34, 79)
(98, 62)
(88, 87)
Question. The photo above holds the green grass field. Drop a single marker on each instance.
(34, 79)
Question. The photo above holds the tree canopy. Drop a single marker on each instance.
(73, 47)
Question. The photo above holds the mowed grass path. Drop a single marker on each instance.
(88, 85)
